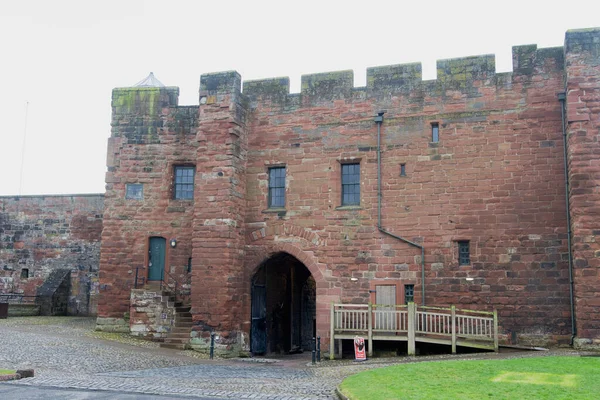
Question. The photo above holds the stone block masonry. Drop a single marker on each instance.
(42, 234)
(492, 178)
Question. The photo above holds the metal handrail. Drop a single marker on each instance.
(169, 283)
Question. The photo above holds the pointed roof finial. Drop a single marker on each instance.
(149, 81)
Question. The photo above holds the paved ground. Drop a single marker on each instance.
(67, 353)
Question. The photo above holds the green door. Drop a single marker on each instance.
(156, 258)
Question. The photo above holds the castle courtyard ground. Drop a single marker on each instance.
(71, 360)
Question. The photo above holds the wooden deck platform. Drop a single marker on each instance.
(412, 323)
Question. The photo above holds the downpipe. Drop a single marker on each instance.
(379, 121)
(561, 98)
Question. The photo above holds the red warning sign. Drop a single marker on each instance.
(359, 349)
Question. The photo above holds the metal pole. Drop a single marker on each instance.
(318, 348)
(212, 345)
(314, 355)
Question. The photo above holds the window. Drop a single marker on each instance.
(350, 184)
(402, 169)
(464, 254)
(409, 294)
(25, 273)
(189, 265)
(184, 183)
(134, 191)
(435, 132)
(277, 187)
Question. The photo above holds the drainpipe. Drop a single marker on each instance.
(379, 120)
(561, 98)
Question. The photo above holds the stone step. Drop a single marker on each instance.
(177, 346)
(179, 335)
(187, 325)
(183, 309)
(180, 329)
(176, 340)
(179, 318)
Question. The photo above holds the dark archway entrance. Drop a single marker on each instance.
(283, 306)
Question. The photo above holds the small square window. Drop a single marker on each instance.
(277, 187)
(134, 191)
(464, 253)
(25, 273)
(350, 184)
(409, 294)
(402, 169)
(184, 182)
(435, 132)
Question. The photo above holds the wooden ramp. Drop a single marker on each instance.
(412, 323)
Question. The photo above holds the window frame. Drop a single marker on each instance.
(435, 132)
(133, 196)
(187, 185)
(346, 185)
(409, 287)
(271, 185)
(462, 258)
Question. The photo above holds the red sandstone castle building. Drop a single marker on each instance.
(260, 208)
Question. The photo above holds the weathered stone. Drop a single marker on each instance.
(494, 179)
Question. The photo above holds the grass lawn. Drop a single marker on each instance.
(523, 378)
(7, 371)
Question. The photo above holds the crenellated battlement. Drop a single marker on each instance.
(465, 74)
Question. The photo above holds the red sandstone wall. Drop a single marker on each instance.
(495, 179)
(44, 233)
(582, 50)
(150, 135)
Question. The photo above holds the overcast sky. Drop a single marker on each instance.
(64, 57)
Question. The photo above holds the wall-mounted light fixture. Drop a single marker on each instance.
(353, 279)
(469, 279)
(173, 242)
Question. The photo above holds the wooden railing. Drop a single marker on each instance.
(414, 323)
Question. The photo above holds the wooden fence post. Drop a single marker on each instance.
(370, 328)
(332, 333)
(453, 313)
(495, 330)
(411, 328)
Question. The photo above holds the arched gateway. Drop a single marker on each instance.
(283, 306)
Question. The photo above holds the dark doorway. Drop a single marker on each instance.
(156, 258)
(283, 306)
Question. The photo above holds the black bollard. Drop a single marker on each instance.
(318, 348)
(313, 351)
(212, 345)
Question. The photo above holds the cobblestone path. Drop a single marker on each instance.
(67, 353)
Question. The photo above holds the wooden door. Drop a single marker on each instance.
(385, 316)
(156, 258)
(259, 319)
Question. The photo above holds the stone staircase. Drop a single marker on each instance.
(179, 336)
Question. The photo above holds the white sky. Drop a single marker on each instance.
(64, 58)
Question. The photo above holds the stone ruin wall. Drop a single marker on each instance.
(39, 234)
